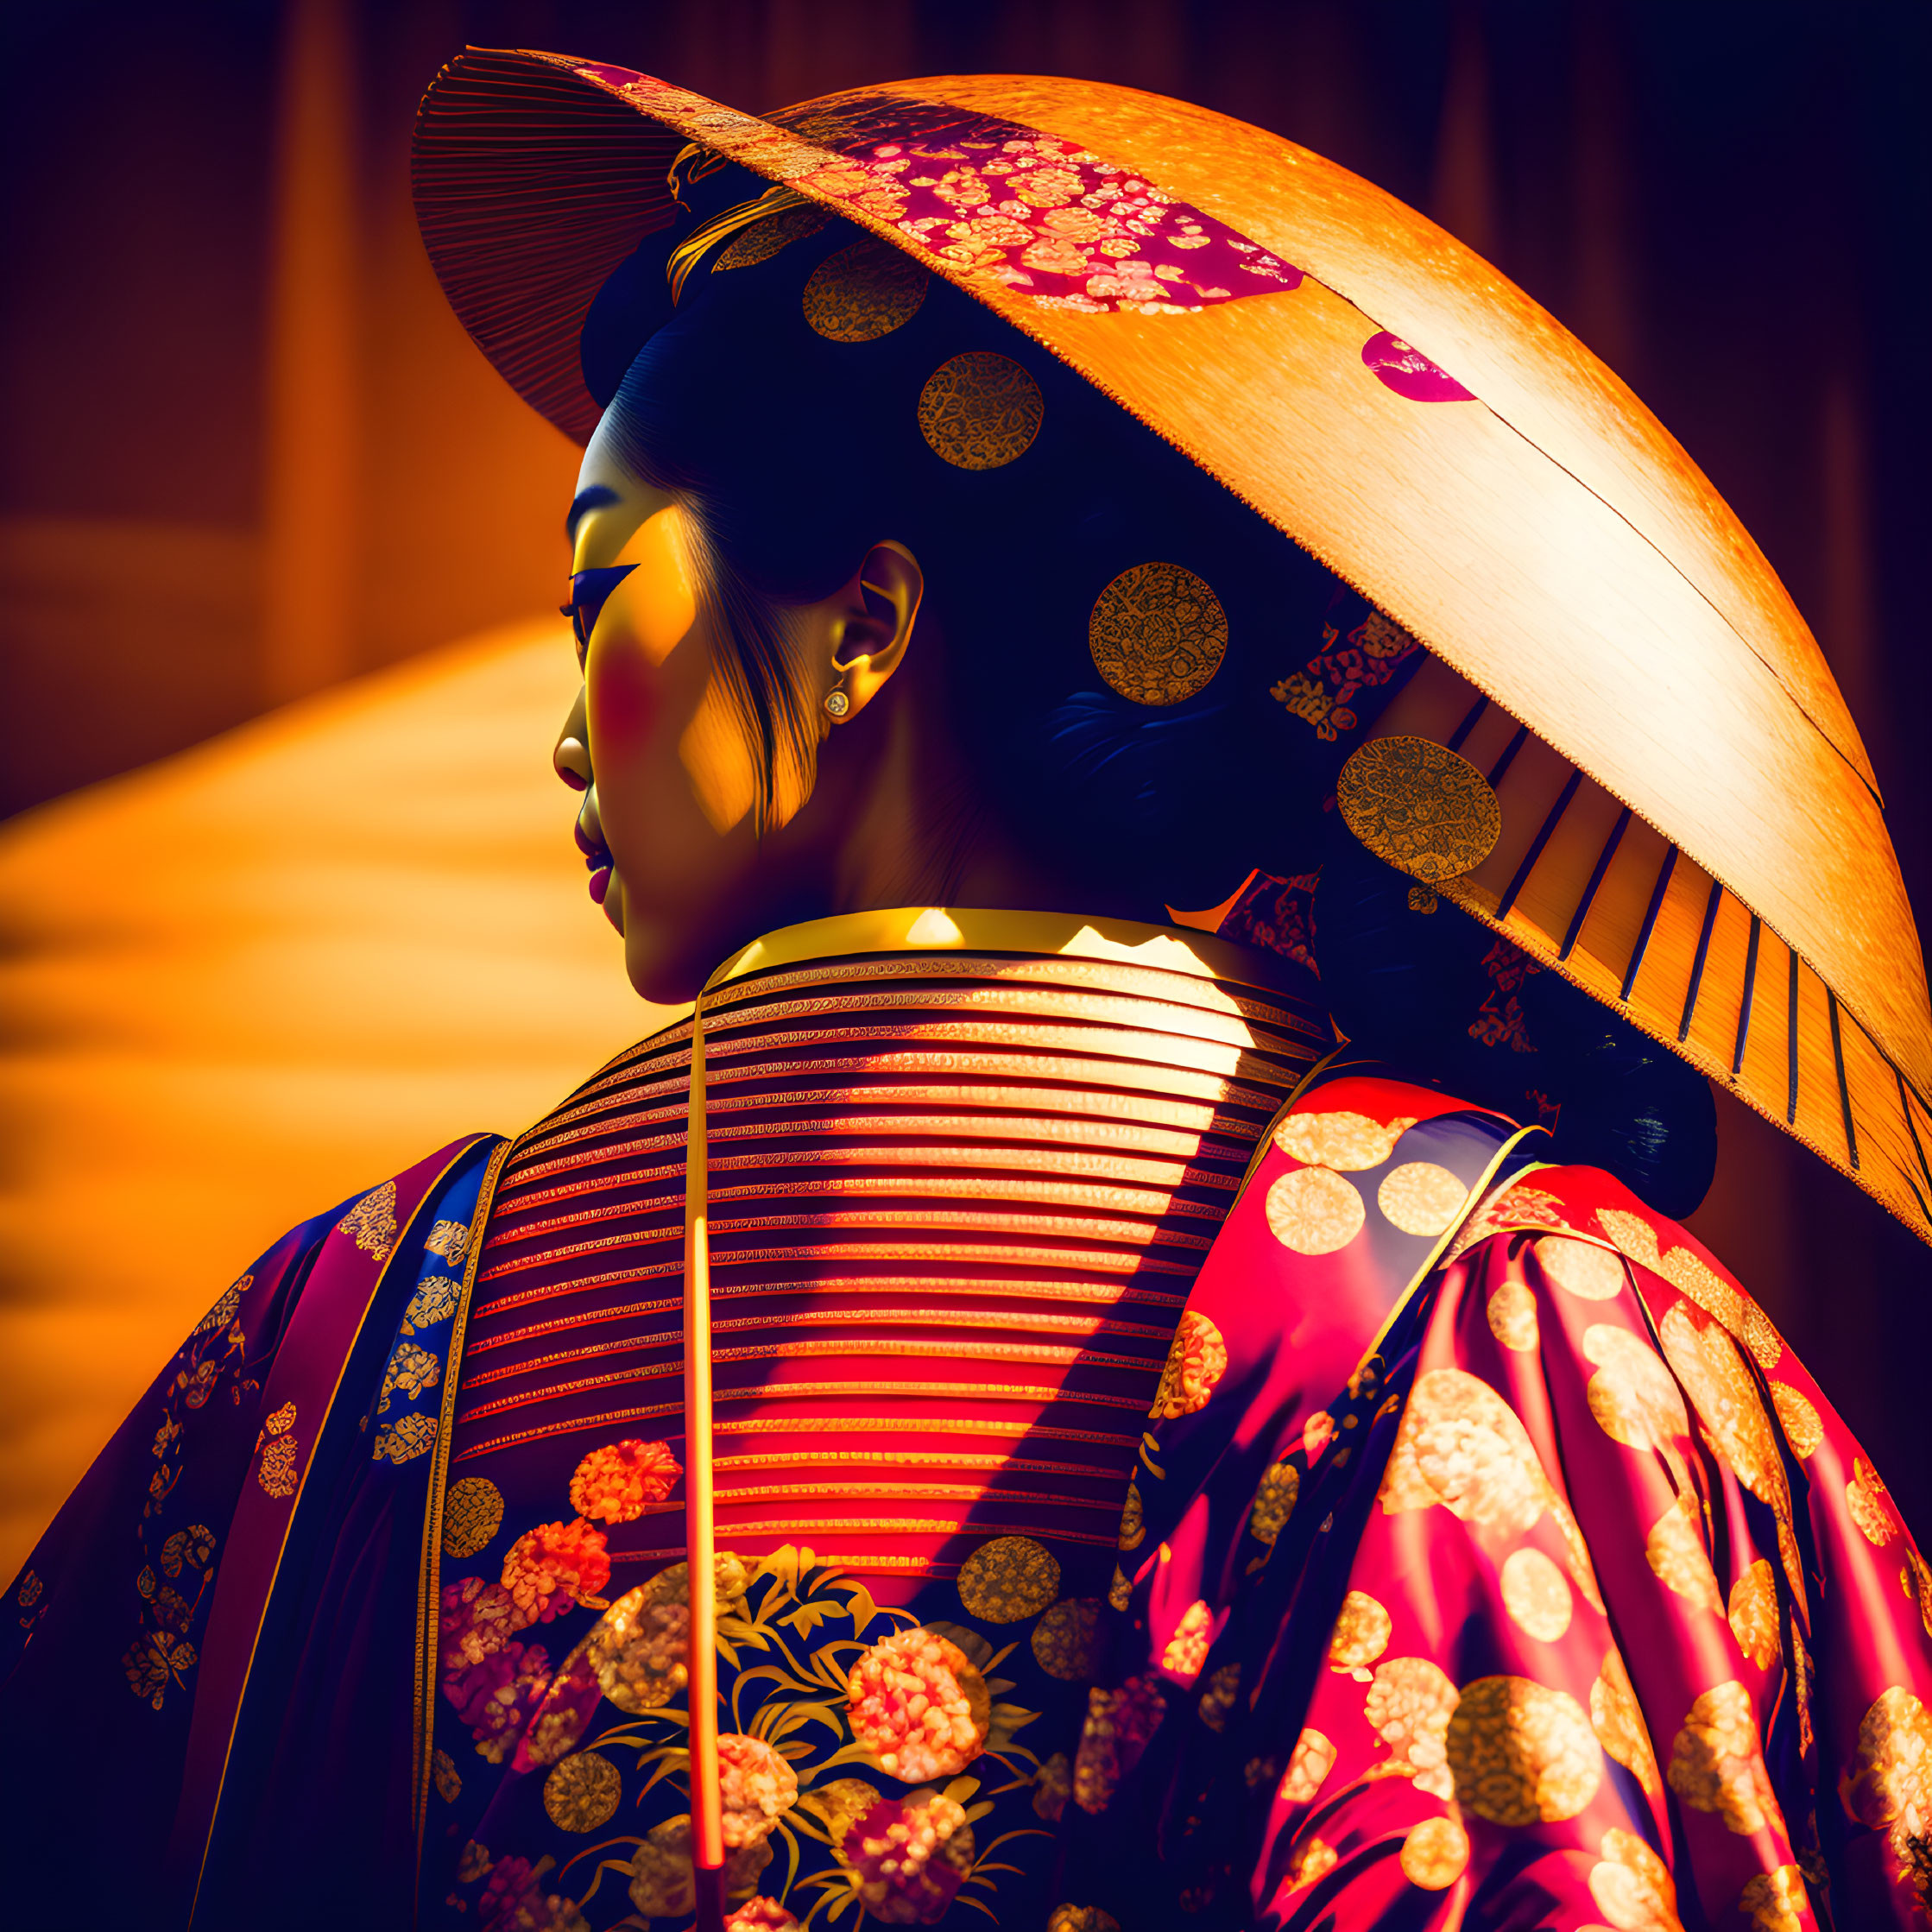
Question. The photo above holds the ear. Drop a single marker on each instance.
(873, 628)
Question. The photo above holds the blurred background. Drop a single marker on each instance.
(287, 894)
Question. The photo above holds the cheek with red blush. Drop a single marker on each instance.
(621, 689)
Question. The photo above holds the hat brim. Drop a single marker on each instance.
(1694, 836)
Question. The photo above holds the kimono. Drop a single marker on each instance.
(1166, 1475)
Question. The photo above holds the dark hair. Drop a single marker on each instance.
(796, 453)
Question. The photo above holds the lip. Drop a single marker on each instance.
(596, 857)
(600, 879)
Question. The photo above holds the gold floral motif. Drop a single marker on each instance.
(1313, 1859)
(276, 1472)
(1463, 1446)
(1418, 806)
(1360, 1634)
(1632, 1235)
(1311, 1762)
(446, 1778)
(405, 1439)
(1518, 1206)
(1081, 1918)
(1521, 1752)
(1634, 1397)
(1888, 1787)
(1052, 1787)
(1580, 1268)
(1120, 1589)
(1675, 1550)
(1217, 1700)
(1196, 1360)
(411, 1370)
(1804, 1429)
(1512, 1317)
(433, 1301)
(981, 410)
(1915, 1579)
(1409, 1705)
(1158, 635)
(1706, 1361)
(1314, 1211)
(1067, 1639)
(1632, 1887)
(1274, 1501)
(1536, 1595)
(582, 1793)
(224, 1311)
(371, 1222)
(919, 1705)
(280, 1422)
(472, 1514)
(1133, 1520)
(1753, 1614)
(764, 239)
(1007, 1579)
(1617, 1720)
(1776, 1901)
(862, 292)
(1434, 1855)
(449, 1240)
(1716, 1764)
(1869, 1503)
(1347, 1142)
(1187, 1649)
(1420, 1197)
(1761, 1337)
(155, 1659)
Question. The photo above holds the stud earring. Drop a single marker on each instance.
(837, 704)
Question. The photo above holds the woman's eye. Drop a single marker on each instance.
(590, 590)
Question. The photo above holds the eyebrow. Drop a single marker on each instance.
(585, 500)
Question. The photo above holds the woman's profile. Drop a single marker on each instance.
(1216, 791)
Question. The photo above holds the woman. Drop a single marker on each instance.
(1083, 1411)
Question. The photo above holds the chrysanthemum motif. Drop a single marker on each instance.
(1217, 1699)
(1081, 1918)
(1360, 1633)
(640, 1652)
(1196, 1361)
(1313, 1859)
(472, 1514)
(557, 1726)
(664, 1883)
(1274, 1501)
(1434, 1854)
(1521, 1752)
(475, 1619)
(1119, 1724)
(549, 1568)
(1067, 1639)
(1311, 1762)
(911, 1855)
(840, 1803)
(1133, 1521)
(1752, 1614)
(1776, 1901)
(495, 1698)
(1409, 1705)
(921, 1708)
(757, 1788)
(618, 1483)
(1008, 1578)
(762, 1915)
(582, 1792)
(1631, 1885)
(1187, 1649)
(1617, 1720)
(1461, 1445)
(1717, 1765)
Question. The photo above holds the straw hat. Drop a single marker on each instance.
(1654, 787)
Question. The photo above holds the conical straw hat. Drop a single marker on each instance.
(1689, 825)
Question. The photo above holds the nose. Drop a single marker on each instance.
(570, 759)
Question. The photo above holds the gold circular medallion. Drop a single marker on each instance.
(582, 1791)
(1522, 1753)
(980, 411)
(1580, 1268)
(1419, 1197)
(863, 292)
(1418, 806)
(1009, 1578)
(1512, 1317)
(1158, 633)
(1536, 1595)
(1347, 1142)
(764, 239)
(1804, 1428)
(1314, 1211)
(1067, 1639)
(1360, 1633)
(472, 1514)
(1434, 1854)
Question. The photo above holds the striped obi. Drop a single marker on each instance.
(958, 1194)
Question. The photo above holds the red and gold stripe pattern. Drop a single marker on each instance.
(957, 1202)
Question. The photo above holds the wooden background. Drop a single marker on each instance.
(250, 459)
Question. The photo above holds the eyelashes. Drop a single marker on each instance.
(589, 591)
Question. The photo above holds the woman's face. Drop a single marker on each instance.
(662, 752)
